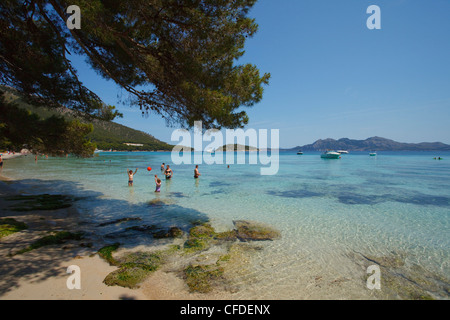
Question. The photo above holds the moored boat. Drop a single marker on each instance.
(330, 155)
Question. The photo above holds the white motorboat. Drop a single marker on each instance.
(330, 155)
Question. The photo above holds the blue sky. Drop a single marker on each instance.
(332, 77)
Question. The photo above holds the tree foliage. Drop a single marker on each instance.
(20, 128)
(175, 58)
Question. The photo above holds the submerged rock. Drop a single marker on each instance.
(202, 278)
(133, 269)
(251, 230)
(173, 232)
(405, 280)
(119, 221)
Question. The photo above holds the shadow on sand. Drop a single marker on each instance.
(88, 212)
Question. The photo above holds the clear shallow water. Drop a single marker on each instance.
(325, 209)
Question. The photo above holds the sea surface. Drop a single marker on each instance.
(332, 214)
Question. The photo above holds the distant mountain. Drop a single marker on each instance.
(106, 135)
(371, 144)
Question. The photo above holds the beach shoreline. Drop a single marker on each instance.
(41, 274)
(307, 272)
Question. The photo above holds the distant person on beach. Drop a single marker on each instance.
(1, 162)
(35, 158)
(130, 177)
(163, 167)
(158, 184)
(168, 172)
(196, 173)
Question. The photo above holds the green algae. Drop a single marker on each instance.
(9, 226)
(250, 230)
(195, 244)
(173, 232)
(200, 278)
(59, 237)
(202, 231)
(106, 253)
(134, 268)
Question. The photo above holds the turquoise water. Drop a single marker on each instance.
(395, 203)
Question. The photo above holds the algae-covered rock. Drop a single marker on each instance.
(196, 244)
(106, 253)
(251, 230)
(59, 237)
(173, 232)
(226, 235)
(127, 277)
(9, 226)
(201, 278)
(133, 269)
(202, 231)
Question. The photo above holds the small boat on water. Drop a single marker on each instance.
(373, 154)
(300, 152)
(330, 155)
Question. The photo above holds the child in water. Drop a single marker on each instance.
(158, 184)
(130, 177)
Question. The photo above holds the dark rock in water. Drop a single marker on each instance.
(144, 228)
(118, 221)
(173, 232)
(251, 230)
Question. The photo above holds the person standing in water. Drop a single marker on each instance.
(196, 173)
(130, 177)
(158, 184)
(163, 167)
(168, 173)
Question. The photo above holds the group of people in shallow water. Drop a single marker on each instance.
(167, 172)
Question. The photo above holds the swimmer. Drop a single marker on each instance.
(158, 184)
(196, 173)
(130, 177)
(168, 172)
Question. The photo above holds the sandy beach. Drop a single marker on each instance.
(41, 274)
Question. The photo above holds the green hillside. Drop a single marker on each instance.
(106, 135)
